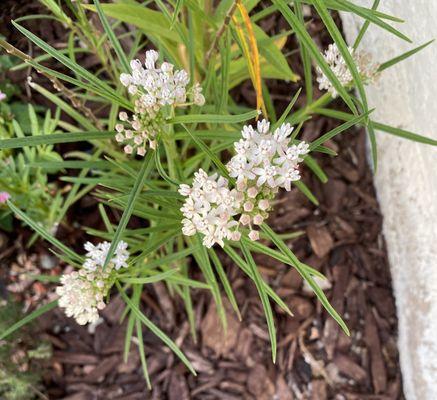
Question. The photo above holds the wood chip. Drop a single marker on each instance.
(377, 365)
(320, 239)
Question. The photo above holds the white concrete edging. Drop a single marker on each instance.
(405, 96)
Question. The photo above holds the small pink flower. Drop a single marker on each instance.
(2, 96)
(4, 196)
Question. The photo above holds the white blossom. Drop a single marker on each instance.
(265, 157)
(2, 96)
(198, 98)
(264, 162)
(209, 208)
(159, 85)
(153, 87)
(81, 298)
(82, 292)
(338, 66)
(96, 255)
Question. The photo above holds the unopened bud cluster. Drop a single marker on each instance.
(82, 292)
(153, 88)
(264, 162)
(367, 69)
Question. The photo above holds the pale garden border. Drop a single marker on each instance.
(406, 183)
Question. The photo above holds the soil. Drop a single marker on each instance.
(316, 361)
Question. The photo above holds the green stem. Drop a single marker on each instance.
(171, 154)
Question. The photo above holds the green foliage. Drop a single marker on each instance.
(20, 357)
(216, 46)
(29, 186)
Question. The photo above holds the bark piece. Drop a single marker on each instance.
(320, 239)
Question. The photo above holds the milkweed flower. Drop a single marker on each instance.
(209, 208)
(265, 158)
(4, 197)
(153, 87)
(82, 292)
(264, 162)
(337, 63)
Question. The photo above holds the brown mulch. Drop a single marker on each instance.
(316, 361)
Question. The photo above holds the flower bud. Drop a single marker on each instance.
(235, 236)
(264, 204)
(258, 219)
(254, 235)
(245, 219)
(241, 185)
(123, 116)
(252, 192)
(248, 206)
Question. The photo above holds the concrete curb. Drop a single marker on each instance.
(405, 96)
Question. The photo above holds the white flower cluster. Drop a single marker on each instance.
(264, 162)
(336, 62)
(82, 292)
(96, 255)
(209, 208)
(153, 87)
(266, 158)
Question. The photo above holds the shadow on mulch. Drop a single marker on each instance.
(341, 238)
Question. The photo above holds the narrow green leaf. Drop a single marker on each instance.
(403, 56)
(284, 115)
(329, 135)
(158, 332)
(38, 228)
(347, 56)
(54, 138)
(161, 170)
(203, 147)
(307, 41)
(245, 268)
(28, 318)
(112, 37)
(142, 354)
(136, 190)
(314, 166)
(151, 279)
(225, 282)
(307, 192)
(177, 9)
(80, 71)
(380, 127)
(305, 275)
(213, 119)
(69, 110)
(261, 248)
(371, 16)
(264, 298)
(365, 26)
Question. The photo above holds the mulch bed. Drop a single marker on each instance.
(341, 238)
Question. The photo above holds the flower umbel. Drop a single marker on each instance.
(153, 87)
(4, 197)
(264, 162)
(265, 158)
(82, 292)
(209, 208)
(336, 62)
